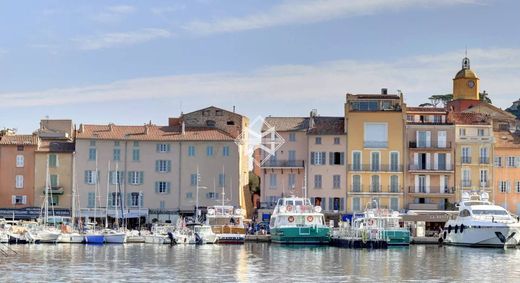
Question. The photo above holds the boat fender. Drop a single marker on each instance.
(444, 235)
(289, 208)
(461, 228)
(371, 222)
(449, 228)
(290, 218)
(310, 218)
(456, 228)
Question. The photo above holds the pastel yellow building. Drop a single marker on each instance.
(375, 150)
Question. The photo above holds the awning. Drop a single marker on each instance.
(431, 216)
(54, 190)
(102, 212)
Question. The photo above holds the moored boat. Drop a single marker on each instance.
(227, 224)
(296, 221)
(114, 237)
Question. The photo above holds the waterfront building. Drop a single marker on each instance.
(314, 149)
(507, 170)
(151, 170)
(53, 164)
(430, 140)
(375, 148)
(17, 170)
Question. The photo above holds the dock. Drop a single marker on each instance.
(424, 241)
(258, 238)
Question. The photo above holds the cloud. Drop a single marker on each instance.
(110, 40)
(310, 11)
(268, 88)
(113, 14)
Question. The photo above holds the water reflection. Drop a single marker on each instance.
(255, 262)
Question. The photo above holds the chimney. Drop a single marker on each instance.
(183, 128)
(312, 115)
(110, 127)
(81, 128)
(233, 108)
(384, 91)
(146, 126)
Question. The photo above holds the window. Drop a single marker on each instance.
(163, 166)
(337, 158)
(375, 135)
(92, 143)
(230, 123)
(117, 154)
(394, 184)
(394, 161)
(90, 177)
(394, 204)
(356, 204)
(116, 143)
(466, 177)
(272, 180)
(225, 151)
(318, 140)
(19, 181)
(462, 132)
(136, 177)
(189, 195)
(135, 199)
(375, 185)
(498, 161)
(466, 155)
(517, 186)
(136, 143)
(191, 150)
(53, 160)
(336, 140)
(54, 200)
(19, 148)
(221, 180)
(212, 195)
(219, 113)
(91, 201)
(206, 113)
(437, 119)
(163, 147)
(483, 178)
(136, 154)
(356, 161)
(211, 123)
(19, 161)
(54, 181)
(318, 158)
(480, 132)
(317, 181)
(423, 139)
(365, 105)
(91, 154)
(336, 181)
(19, 199)
(115, 199)
(193, 179)
(292, 180)
(503, 186)
(374, 161)
(162, 187)
(356, 183)
(292, 137)
(116, 177)
(162, 205)
(292, 157)
(209, 150)
(511, 161)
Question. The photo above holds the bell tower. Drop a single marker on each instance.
(466, 83)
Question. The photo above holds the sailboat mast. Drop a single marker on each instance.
(197, 196)
(108, 192)
(46, 202)
(73, 211)
(118, 194)
(96, 187)
(305, 184)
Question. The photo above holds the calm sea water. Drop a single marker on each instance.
(255, 262)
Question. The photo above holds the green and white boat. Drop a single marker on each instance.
(296, 221)
(386, 222)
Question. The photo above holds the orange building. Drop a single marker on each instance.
(507, 170)
(17, 170)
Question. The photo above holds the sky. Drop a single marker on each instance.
(130, 62)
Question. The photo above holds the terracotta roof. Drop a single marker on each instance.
(507, 139)
(328, 126)
(284, 124)
(19, 140)
(463, 118)
(426, 109)
(151, 132)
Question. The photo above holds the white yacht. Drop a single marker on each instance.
(480, 223)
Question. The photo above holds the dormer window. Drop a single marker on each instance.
(230, 123)
(206, 113)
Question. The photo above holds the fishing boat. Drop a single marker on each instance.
(481, 223)
(296, 221)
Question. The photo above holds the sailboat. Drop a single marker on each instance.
(92, 236)
(68, 233)
(113, 236)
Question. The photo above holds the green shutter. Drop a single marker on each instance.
(110, 200)
(158, 147)
(169, 164)
(130, 177)
(168, 184)
(157, 165)
(168, 147)
(156, 187)
(141, 177)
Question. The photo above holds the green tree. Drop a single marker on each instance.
(254, 183)
(440, 98)
(484, 96)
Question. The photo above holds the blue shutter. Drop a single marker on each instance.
(130, 177)
(324, 157)
(168, 147)
(129, 199)
(323, 203)
(158, 147)
(86, 176)
(110, 177)
(168, 184)
(110, 200)
(157, 187)
(342, 204)
(157, 165)
(141, 200)
(141, 177)
(312, 158)
(342, 158)
(169, 166)
(331, 158)
(331, 204)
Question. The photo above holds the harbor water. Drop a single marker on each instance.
(256, 262)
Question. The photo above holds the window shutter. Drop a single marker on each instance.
(312, 158)
(324, 158)
(98, 176)
(130, 177)
(428, 138)
(13, 199)
(157, 165)
(323, 203)
(342, 204)
(435, 161)
(156, 187)
(312, 201)
(207, 195)
(168, 147)
(24, 199)
(141, 177)
(428, 161)
(129, 199)
(111, 177)
(110, 200)
(141, 200)
(169, 166)
(331, 157)
(342, 158)
(331, 204)
(86, 176)
(448, 161)
(168, 184)
(416, 160)
(158, 147)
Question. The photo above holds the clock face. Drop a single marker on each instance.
(471, 84)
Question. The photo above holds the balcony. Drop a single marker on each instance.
(376, 167)
(484, 184)
(465, 159)
(54, 190)
(440, 167)
(283, 164)
(431, 145)
(466, 183)
(484, 160)
(431, 190)
(373, 189)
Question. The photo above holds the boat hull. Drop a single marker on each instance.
(230, 238)
(95, 239)
(48, 237)
(399, 237)
(300, 235)
(71, 238)
(155, 239)
(17, 239)
(118, 238)
(481, 236)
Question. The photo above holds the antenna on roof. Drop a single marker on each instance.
(180, 106)
(466, 52)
